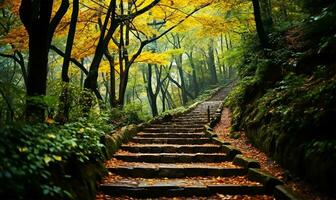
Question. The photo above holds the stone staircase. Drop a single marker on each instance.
(179, 158)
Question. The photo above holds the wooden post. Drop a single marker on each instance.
(208, 113)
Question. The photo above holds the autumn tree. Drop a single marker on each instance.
(37, 18)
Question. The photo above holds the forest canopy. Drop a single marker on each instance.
(122, 50)
(73, 71)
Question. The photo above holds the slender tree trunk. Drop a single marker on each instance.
(222, 51)
(163, 98)
(227, 42)
(65, 99)
(112, 91)
(194, 76)
(23, 67)
(123, 57)
(259, 24)
(181, 74)
(107, 87)
(81, 77)
(266, 13)
(219, 63)
(202, 67)
(90, 82)
(170, 100)
(150, 94)
(211, 62)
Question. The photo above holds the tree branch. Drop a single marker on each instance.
(58, 17)
(73, 60)
(179, 86)
(139, 12)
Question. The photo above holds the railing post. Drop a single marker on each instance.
(208, 113)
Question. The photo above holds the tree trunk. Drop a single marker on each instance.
(211, 63)
(266, 8)
(194, 76)
(112, 95)
(152, 97)
(259, 24)
(222, 51)
(90, 82)
(36, 17)
(179, 64)
(163, 97)
(170, 100)
(81, 75)
(219, 64)
(64, 99)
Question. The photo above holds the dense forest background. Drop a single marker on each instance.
(72, 71)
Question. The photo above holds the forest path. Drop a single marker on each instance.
(178, 158)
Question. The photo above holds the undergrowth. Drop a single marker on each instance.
(287, 95)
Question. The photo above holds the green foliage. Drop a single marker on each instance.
(132, 113)
(285, 99)
(322, 147)
(29, 153)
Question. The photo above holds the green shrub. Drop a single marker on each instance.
(29, 153)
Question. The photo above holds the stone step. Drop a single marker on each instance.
(172, 148)
(173, 130)
(178, 190)
(203, 115)
(203, 109)
(171, 135)
(173, 157)
(202, 112)
(172, 140)
(175, 172)
(185, 123)
(190, 120)
(193, 117)
(176, 125)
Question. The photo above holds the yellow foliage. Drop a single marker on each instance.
(153, 58)
(104, 67)
(17, 38)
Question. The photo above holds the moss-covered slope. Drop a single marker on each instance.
(286, 98)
